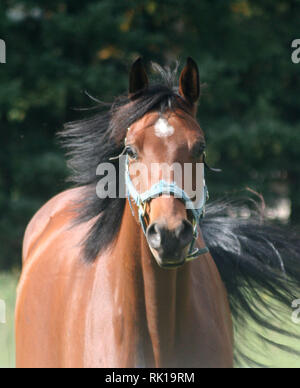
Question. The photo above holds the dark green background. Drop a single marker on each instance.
(56, 50)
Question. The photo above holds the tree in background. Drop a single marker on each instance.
(56, 50)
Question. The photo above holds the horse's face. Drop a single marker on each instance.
(173, 139)
(158, 146)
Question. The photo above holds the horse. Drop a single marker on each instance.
(150, 278)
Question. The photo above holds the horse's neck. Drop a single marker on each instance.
(155, 304)
(167, 298)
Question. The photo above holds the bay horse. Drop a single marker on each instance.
(145, 280)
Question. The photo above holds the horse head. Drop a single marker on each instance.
(165, 159)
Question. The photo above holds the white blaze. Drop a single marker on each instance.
(163, 128)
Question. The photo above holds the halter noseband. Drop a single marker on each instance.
(167, 188)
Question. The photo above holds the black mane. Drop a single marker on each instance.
(259, 263)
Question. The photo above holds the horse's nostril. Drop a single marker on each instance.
(184, 233)
(154, 235)
(170, 242)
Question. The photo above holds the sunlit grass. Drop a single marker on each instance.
(268, 355)
(8, 283)
(264, 351)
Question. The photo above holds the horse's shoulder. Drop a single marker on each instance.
(59, 207)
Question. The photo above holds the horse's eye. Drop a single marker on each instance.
(131, 152)
(198, 150)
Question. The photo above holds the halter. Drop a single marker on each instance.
(167, 188)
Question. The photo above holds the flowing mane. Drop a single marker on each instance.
(260, 266)
(259, 263)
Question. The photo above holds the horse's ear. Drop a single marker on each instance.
(138, 79)
(189, 83)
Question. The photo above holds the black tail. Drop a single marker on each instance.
(260, 266)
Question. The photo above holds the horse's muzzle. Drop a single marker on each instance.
(170, 246)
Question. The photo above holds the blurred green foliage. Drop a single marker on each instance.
(57, 49)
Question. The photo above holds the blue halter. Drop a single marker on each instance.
(160, 188)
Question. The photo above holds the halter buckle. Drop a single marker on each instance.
(143, 207)
(195, 228)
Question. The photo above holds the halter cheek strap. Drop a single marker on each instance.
(161, 188)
